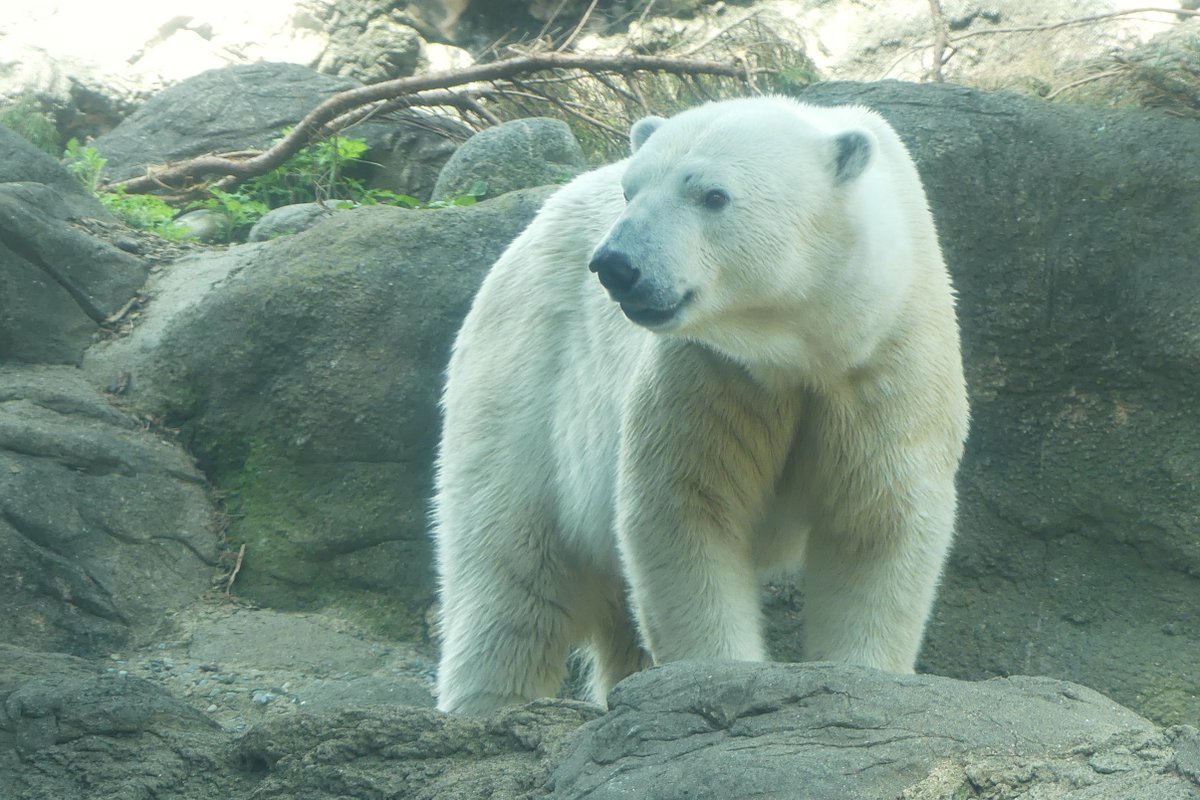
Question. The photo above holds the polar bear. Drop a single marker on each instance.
(733, 353)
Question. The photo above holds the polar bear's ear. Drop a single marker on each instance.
(852, 153)
(641, 131)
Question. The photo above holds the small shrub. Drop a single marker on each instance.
(25, 118)
(85, 163)
(322, 172)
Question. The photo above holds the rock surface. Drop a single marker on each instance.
(103, 526)
(304, 373)
(516, 155)
(289, 219)
(221, 110)
(21, 162)
(57, 284)
(412, 151)
(718, 731)
(69, 728)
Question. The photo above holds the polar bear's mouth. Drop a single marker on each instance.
(654, 317)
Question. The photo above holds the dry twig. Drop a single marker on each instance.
(237, 567)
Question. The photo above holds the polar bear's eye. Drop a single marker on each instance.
(716, 199)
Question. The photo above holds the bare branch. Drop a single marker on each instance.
(582, 21)
(317, 121)
(1050, 26)
(1112, 73)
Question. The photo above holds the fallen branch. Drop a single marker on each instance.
(408, 92)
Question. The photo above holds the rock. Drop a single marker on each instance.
(1071, 237)
(203, 225)
(412, 753)
(289, 219)
(71, 729)
(104, 528)
(708, 730)
(371, 48)
(515, 155)
(22, 162)
(304, 373)
(221, 110)
(413, 150)
(57, 283)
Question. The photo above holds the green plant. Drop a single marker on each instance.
(471, 197)
(85, 163)
(25, 118)
(325, 170)
(140, 210)
(242, 209)
(322, 172)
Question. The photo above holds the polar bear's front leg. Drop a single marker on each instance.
(883, 485)
(702, 447)
(506, 617)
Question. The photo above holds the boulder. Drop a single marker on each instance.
(232, 108)
(22, 162)
(418, 753)
(304, 373)
(69, 728)
(104, 527)
(289, 219)
(412, 151)
(707, 730)
(371, 46)
(57, 283)
(514, 155)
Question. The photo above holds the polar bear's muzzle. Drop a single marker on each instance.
(642, 299)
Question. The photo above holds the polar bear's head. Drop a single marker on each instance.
(732, 209)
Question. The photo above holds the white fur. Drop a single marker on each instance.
(622, 489)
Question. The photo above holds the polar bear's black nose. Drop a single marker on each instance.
(615, 271)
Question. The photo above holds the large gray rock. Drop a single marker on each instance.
(412, 151)
(706, 730)
(22, 162)
(370, 45)
(104, 527)
(57, 283)
(304, 373)
(69, 729)
(72, 729)
(286, 220)
(515, 155)
(233, 108)
(417, 753)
